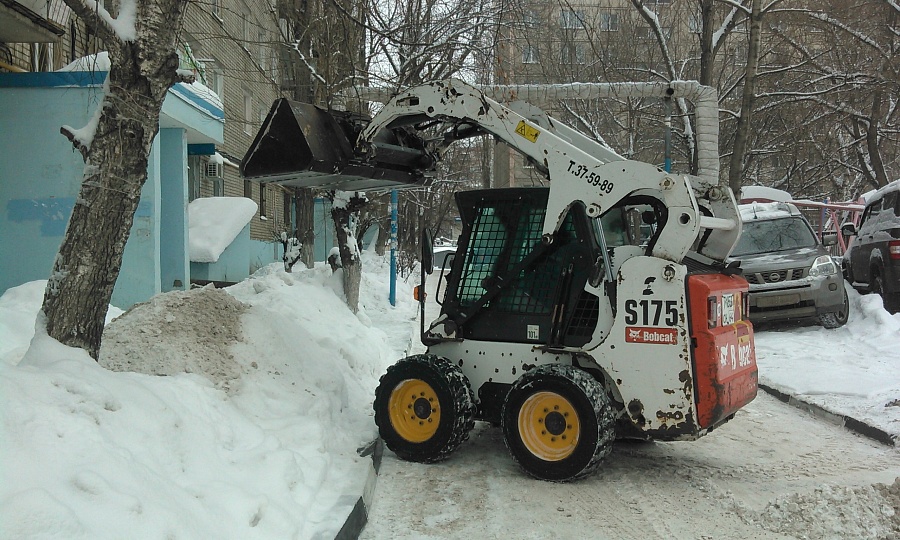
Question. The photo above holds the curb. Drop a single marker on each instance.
(847, 422)
(358, 517)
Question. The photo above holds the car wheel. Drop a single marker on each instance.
(558, 423)
(424, 408)
(891, 301)
(837, 319)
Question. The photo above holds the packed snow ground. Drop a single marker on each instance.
(211, 415)
(238, 413)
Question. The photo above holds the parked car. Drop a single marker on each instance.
(872, 262)
(791, 274)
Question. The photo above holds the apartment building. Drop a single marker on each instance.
(548, 41)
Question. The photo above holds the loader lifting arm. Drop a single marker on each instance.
(579, 169)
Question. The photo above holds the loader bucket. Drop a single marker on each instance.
(301, 145)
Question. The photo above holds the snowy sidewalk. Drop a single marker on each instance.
(849, 376)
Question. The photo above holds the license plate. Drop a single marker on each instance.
(727, 309)
(778, 300)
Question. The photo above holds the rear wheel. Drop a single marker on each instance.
(836, 319)
(558, 423)
(891, 300)
(424, 408)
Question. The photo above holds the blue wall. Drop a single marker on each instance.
(40, 176)
(232, 264)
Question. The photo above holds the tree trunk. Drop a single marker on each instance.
(305, 207)
(90, 257)
(344, 212)
(742, 131)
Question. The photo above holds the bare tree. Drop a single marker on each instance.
(141, 38)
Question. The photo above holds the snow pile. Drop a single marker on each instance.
(214, 222)
(837, 512)
(90, 453)
(178, 332)
(19, 307)
(853, 370)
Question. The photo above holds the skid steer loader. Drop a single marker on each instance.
(599, 307)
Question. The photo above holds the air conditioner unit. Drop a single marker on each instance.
(213, 170)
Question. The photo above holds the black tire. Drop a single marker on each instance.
(837, 319)
(551, 397)
(891, 301)
(424, 408)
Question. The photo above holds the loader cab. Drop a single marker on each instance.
(536, 292)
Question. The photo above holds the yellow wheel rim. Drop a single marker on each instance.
(549, 426)
(414, 410)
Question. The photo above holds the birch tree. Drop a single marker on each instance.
(140, 36)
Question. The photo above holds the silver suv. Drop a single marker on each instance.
(790, 272)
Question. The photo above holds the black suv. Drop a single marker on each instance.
(790, 272)
(872, 262)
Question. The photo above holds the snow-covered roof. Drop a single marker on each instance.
(214, 223)
(881, 192)
(770, 210)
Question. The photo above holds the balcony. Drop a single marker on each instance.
(32, 21)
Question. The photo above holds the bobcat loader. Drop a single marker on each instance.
(597, 308)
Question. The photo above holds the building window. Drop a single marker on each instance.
(531, 19)
(695, 23)
(530, 54)
(263, 201)
(217, 9)
(571, 19)
(609, 21)
(262, 50)
(572, 53)
(215, 78)
(288, 208)
(195, 172)
(218, 185)
(248, 189)
(248, 112)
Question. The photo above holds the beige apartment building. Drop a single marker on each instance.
(548, 41)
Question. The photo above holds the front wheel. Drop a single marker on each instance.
(837, 319)
(424, 408)
(558, 423)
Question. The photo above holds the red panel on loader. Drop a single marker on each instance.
(724, 352)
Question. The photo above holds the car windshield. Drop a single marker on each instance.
(770, 235)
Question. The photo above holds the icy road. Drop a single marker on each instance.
(772, 472)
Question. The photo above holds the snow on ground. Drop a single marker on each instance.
(852, 371)
(252, 432)
(238, 414)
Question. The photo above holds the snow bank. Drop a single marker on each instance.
(214, 222)
(837, 512)
(19, 307)
(90, 453)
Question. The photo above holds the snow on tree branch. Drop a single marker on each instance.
(822, 16)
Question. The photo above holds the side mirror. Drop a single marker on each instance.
(427, 246)
(848, 229)
(829, 239)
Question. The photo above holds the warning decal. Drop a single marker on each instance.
(527, 131)
(656, 336)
